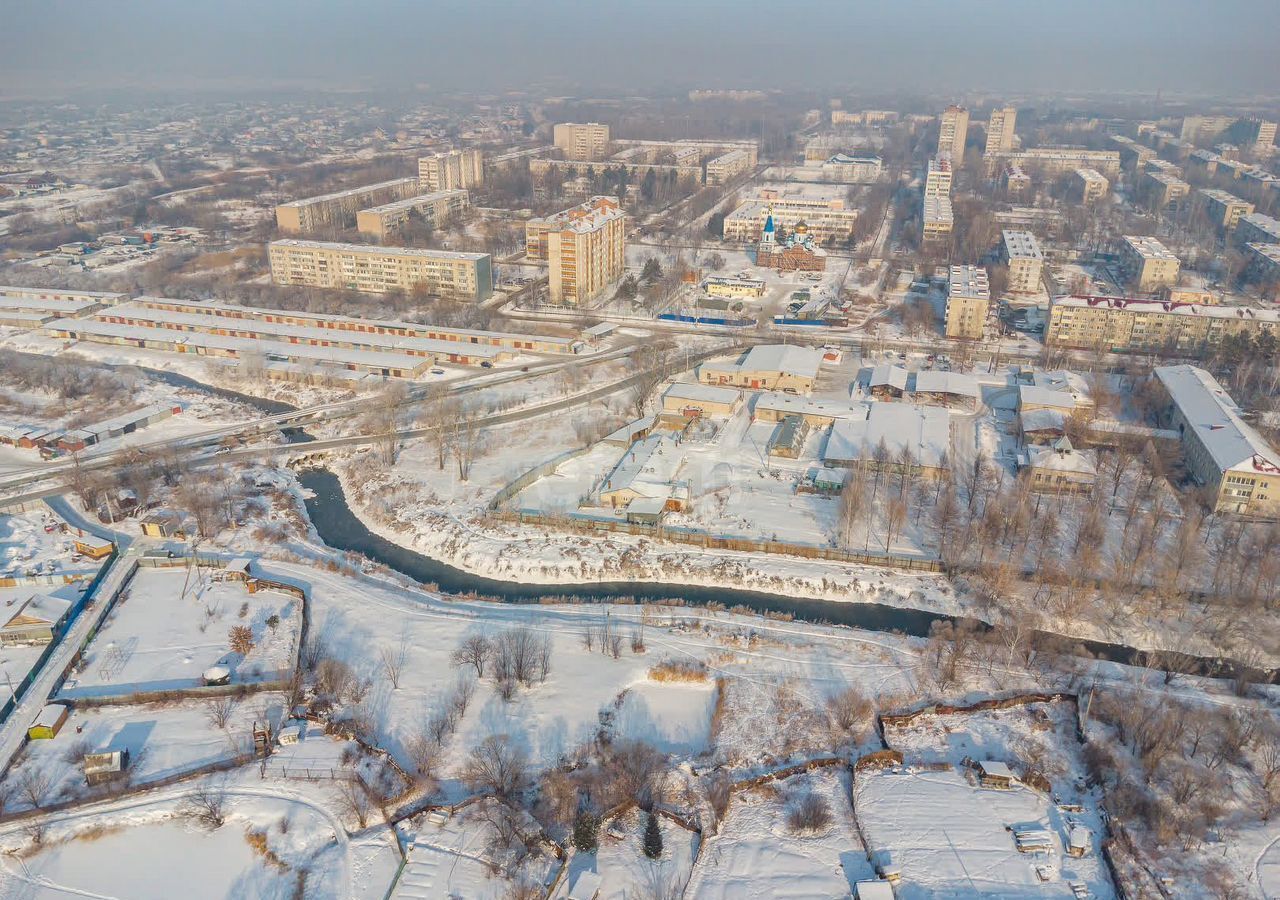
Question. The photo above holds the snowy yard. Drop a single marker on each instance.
(35, 543)
(173, 624)
(625, 872)
(756, 853)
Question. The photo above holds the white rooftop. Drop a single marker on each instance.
(1216, 421)
(336, 195)
(705, 393)
(1021, 245)
(783, 358)
(924, 430)
(931, 381)
(968, 281)
(371, 250)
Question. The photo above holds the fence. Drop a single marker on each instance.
(575, 522)
(529, 477)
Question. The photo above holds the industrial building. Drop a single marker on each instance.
(1147, 264)
(918, 439)
(1021, 253)
(1222, 451)
(968, 302)
(452, 170)
(454, 275)
(117, 426)
(383, 223)
(773, 367)
(332, 213)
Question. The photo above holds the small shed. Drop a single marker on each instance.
(873, 890)
(829, 481)
(1079, 840)
(995, 774)
(94, 548)
(48, 723)
(110, 765)
(646, 510)
(586, 886)
(237, 570)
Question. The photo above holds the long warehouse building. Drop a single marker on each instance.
(457, 276)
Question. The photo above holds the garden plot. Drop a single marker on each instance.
(757, 854)
(152, 852)
(455, 858)
(623, 868)
(673, 716)
(949, 837)
(173, 624)
(162, 740)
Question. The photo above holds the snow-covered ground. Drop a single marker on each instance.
(174, 623)
(625, 872)
(756, 854)
(37, 542)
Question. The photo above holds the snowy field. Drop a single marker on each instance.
(756, 854)
(174, 624)
(452, 859)
(146, 850)
(35, 543)
(162, 740)
(625, 872)
(952, 839)
(673, 716)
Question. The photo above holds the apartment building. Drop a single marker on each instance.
(537, 230)
(451, 170)
(728, 166)
(953, 128)
(1089, 185)
(1256, 228)
(1021, 253)
(459, 276)
(938, 220)
(1000, 129)
(1131, 152)
(1163, 190)
(1222, 451)
(585, 142)
(1224, 209)
(1052, 161)
(382, 223)
(937, 180)
(827, 219)
(968, 302)
(1205, 128)
(1119, 324)
(852, 169)
(337, 211)
(1015, 180)
(1205, 162)
(1264, 263)
(585, 251)
(1147, 264)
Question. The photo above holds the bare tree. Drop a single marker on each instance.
(392, 660)
(849, 709)
(810, 814)
(207, 805)
(219, 712)
(474, 651)
(496, 766)
(34, 785)
(354, 800)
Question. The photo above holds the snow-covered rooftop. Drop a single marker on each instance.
(924, 430)
(1216, 421)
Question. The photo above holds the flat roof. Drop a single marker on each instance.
(415, 202)
(1264, 223)
(968, 281)
(702, 392)
(337, 195)
(59, 293)
(931, 381)
(783, 358)
(1021, 244)
(790, 404)
(1212, 311)
(1148, 247)
(373, 250)
(1224, 197)
(1215, 419)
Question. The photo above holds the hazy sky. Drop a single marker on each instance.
(943, 46)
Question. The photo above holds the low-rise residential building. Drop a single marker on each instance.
(968, 302)
(728, 166)
(1225, 209)
(938, 220)
(1118, 324)
(773, 367)
(1256, 228)
(1059, 467)
(1147, 264)
(1222, 451)
(1163, 190)
(847, 169)
(1020, 251)
(1014, 180)
(1263, 266)
(383, 223)
(460, 276)
(1090, 185)
(1053, 161)
(37, 620)
(917, 438)
(337, 211)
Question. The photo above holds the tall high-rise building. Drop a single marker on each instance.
(1000, 129)
(584, 248)
(585, 142)
(937, 179)
(952, 131)
(454, 170)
